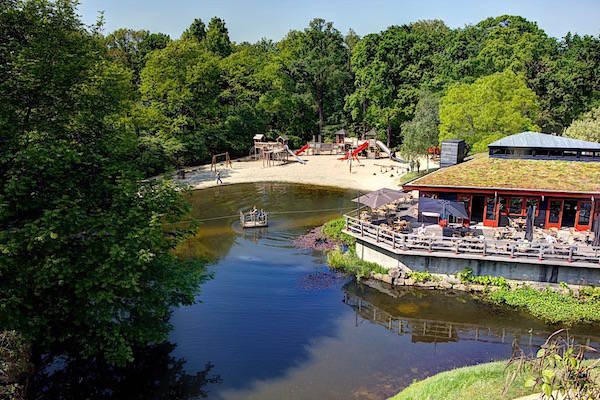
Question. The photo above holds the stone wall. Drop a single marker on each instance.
(451, 266)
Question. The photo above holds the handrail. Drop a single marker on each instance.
(463, 245)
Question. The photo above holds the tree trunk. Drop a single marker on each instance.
(320, 107)
(389, 132)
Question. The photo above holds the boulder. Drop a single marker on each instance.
(460, 286)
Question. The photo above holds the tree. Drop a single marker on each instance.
(217, 38)
(315, 61)
(86, 267)
(587, 127)
(491, 107)
(422, 132)
(130, 47)
(197, 30)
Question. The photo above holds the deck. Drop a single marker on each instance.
(583, 256)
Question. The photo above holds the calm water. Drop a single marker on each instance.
(276, 323)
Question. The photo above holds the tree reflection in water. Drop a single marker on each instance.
(154, 374)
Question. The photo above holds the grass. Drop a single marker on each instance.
(333, 230)
(524, 174)
(350, 263)
(409, 176)
(479, 382)
(550, 306)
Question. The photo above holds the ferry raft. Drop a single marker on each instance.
(254, 219)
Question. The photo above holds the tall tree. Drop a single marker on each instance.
(422, 132)
(86, 268)
(316, 60)
(196, 30)
(491, 107)
(217, 38)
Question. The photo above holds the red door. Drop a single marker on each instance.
(583, 218)
(554, 213)
(490, 212)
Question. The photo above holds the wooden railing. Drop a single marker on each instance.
(510, 249)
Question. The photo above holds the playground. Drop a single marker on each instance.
(325, 170)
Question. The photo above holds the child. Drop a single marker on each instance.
(219, 180)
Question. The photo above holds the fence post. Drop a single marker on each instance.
(541, 256)
(404, 239)
(512, 250)
(362, 228)
(394, 240)
(570, 254)
(430, 245)
(377, 236)
(484, 247)
(456, 247)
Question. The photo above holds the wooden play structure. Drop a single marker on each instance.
(215, 160)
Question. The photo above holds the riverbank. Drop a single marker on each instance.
(478, 382)
(324, 170)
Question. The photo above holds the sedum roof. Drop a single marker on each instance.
(543, 140)
(496, 173)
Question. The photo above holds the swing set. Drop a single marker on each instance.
(213, 164)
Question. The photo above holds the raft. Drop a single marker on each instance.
(250, 220)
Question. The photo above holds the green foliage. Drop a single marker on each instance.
(196, 31)
(548, 305)
(494, 106)
(478, 382)
(87, 268)
(587, 127)
(333, 230)
(420, 277)
(466, 276)
(351, 264)
(14, 365)
(217, 38)
(559, 370)
(422, 131)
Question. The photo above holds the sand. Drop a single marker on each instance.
(325, 170)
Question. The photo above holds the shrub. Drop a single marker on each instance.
(350, 263)
(420, 276)
(466, 276)
(333, 230)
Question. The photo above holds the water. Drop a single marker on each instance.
(276, 323)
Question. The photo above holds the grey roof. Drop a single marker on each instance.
(372, 132)
(259, 136)
(282, 137)
(341, 132)
(543, 140)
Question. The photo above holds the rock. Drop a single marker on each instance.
(430, 284)
(409, 282)
(394, 273)
(477, 288)
(453, 280)
(459, 286)
(386, 278)
(399, 281)
(445, 285)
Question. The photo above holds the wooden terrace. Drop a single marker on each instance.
(473, 248)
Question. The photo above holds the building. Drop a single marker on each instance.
(545, 171)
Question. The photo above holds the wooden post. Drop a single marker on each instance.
(484, 247)
(377, 236)
(570, 254)
(394, 240)
(362, 229)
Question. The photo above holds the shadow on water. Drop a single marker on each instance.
(155, 374)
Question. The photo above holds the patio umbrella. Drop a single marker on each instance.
(443, 207)
(380, 197)
(529, 224)
(596, 229)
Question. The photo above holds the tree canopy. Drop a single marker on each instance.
(587, 127)
(491, 107)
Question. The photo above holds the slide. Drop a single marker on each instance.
(355, 152)
(301, 161)
(302, 149)
(387, 151)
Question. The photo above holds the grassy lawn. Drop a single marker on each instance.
(479, 382)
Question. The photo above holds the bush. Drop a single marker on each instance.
(350, 263)
(420, 276)
(466, 276)
(333, 230)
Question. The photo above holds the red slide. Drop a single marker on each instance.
(355, 152)
(302, 149)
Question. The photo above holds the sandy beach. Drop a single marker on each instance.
(324, 170)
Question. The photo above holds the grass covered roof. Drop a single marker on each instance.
(484, 172)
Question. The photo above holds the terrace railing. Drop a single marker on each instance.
(510, 249)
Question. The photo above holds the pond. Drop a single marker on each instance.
(276, 323)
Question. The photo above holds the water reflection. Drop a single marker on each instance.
(155, 374)
(436, 317)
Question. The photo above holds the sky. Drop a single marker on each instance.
(249, 20)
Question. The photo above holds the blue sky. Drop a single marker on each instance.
(251, 20)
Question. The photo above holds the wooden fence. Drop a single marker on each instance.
(510, 249)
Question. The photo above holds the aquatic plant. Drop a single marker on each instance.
(466, 276)
(333, 230)
(420, 277)
(350, 263)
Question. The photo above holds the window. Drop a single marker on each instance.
(466, 199)
(554, 211)
(587, 154)
(585, 212)
(489, 208)
(502, 205)
(515, 206)
(569, 153)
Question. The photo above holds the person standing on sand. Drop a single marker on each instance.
(412, 165)
(418, 166)
(219, 180)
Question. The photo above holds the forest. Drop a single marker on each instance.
(86, 116)
(415, 84)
